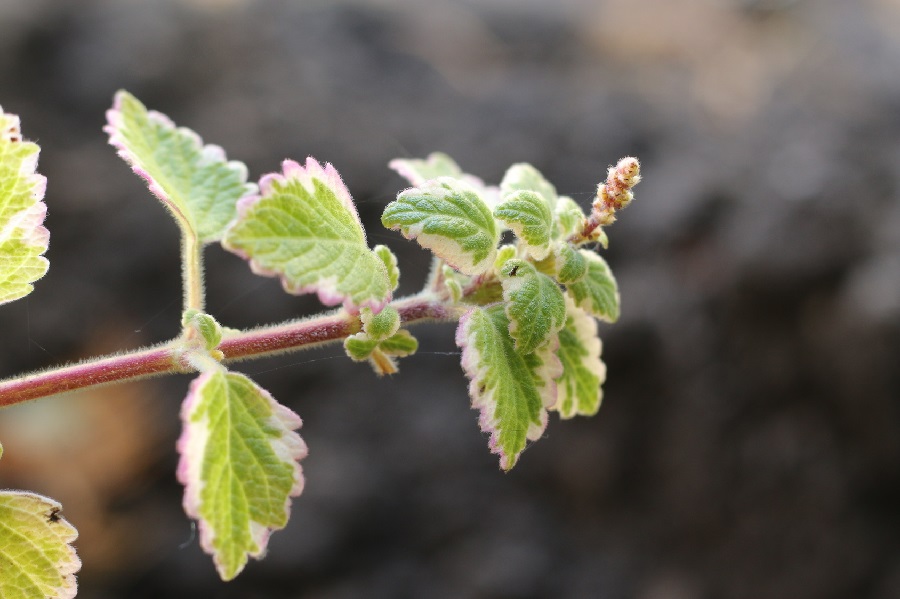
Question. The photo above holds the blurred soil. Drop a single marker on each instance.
(749, 443)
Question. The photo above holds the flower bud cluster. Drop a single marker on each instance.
(612, 195)
(615, 193)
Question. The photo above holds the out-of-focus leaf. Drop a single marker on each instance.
(23, 238)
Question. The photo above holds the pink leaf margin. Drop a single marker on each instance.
(292, 449)
(325, 289)
(31, 219)
(209, 152)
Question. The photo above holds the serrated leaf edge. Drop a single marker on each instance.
(325, 288)
(442, 245)
(585, 329)
(549, 371)
(31, 218)
(291, 450)
(72, 564)
(208, 153)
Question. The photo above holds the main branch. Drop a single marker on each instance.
(170, 357)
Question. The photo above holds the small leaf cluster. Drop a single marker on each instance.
(529, 336)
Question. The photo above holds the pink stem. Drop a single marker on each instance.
(141, 364)
(167, 358)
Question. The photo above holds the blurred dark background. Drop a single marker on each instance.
(749, 441)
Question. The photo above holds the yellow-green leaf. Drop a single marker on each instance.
(196, 182)
(239, 465)
(23, 238)
(37, 560)
(304, 228)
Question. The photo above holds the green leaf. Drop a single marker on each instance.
(448, 217)
(380, 341)
(360, 346)
(23, 239)
(205, 326)
(579, 387)
(511, 390)
(382, 325)
(417, 171)
(524, 177)
(198, 185)
(37, 559)
(304, 228)
(570, 264)
(239, 465)
(400, 344)
(597, 292)
(390, 263)
(528, 214)
(381, 354)
(535, 305)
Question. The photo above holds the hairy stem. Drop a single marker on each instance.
(124, 367)
(192, 272)
(171, 357)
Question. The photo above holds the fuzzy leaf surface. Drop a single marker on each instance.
(511, 390)
(390, 263)
(196, 182)
(570, 263)
(400, 344)
(535, 305)
(304, 228)
(597, 292)
(448, 217)
(528, 215)
(382, 325)
(579, 387)
(23, 238)
(239, 465)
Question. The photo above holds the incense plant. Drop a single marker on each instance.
(527, 315)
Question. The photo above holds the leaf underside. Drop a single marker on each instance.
(304, 228)
(239, 465)
(23, 238)
(196, 182)
(448, 217)
(511, 390)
